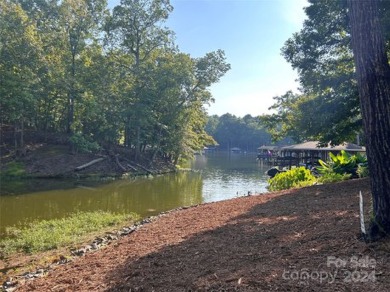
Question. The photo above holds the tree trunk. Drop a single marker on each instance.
(22, 136)
(373, 75)
(16, 136)
(138, 144)
(70, 112)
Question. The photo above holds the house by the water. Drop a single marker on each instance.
(307, 153)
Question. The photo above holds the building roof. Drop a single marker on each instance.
(265, 147)
(349, 147)
(313, 145)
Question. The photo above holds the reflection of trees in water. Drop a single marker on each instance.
(218, 177)
(224, 166)
(26, 186)
(145, 196)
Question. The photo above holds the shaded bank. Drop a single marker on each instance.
(56, 161)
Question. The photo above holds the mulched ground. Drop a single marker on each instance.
(298, 240)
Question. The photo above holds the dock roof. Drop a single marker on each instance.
(313, 146)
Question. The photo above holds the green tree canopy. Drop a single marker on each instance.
(80, 71)
(328, 106)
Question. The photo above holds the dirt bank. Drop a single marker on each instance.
(49, 160)
(297, 240)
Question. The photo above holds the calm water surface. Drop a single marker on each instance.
(215, 177)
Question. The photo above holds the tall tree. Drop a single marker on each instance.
(79, 20)
(328, 107)
(373, 75)
(180, 90)
(285, 122)
(57, 75)
(51, 94)
(321, 54)
(137, 26)
(20, 53)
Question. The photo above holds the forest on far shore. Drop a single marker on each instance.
(247, 133)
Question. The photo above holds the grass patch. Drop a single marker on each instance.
(46, 235)
(13, 169)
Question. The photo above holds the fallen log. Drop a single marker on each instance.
(81, 167)
(119, 164)
(129, 163)
(132, 167)
(144, 168)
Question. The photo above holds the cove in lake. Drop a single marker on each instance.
(215, 176)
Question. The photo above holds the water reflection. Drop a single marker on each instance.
(143, 196)
(216, 177)
(227, 175)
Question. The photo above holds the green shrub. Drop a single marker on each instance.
(51, 234)
(341, 163)
(83, 145)
(332, 177)
(362, 170)
(296, 177)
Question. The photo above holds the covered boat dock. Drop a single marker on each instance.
(303, 154)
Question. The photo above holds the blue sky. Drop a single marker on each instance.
(251, 32)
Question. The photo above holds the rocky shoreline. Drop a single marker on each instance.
(100, 242)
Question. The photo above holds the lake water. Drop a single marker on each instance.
(214, 177)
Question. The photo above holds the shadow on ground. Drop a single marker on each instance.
(292, 242)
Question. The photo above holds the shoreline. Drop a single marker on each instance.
(98, 243)
(49, 161)
(247, 243)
